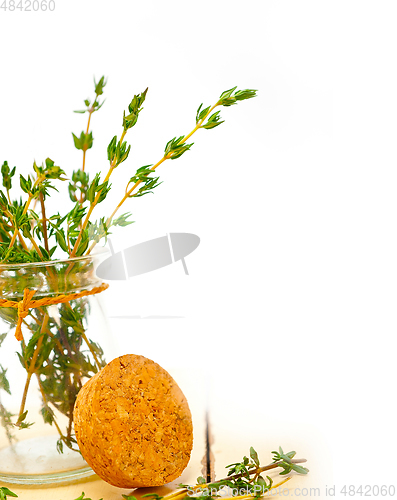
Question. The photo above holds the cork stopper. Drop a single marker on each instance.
(133, 424)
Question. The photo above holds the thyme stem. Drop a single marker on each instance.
(30, 197)
(94, 203)
(35, 246)
(275, 486)
(32, 366)
(21, 240)
(90, 111)
(44, 222)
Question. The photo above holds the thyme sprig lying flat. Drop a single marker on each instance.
(239, 474)
(238, 479)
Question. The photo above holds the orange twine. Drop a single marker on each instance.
(26, 303)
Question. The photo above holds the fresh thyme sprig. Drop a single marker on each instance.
(19, 220)
(83, 497)
(285, 460)
(5, 492)
(80, 178)
(7, 175)
(26, 236)
(175, 148)
(117, 153)
(239, 474)
(238, 480)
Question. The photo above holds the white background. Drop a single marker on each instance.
(290, 301)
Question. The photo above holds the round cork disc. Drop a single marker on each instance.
(133, 424)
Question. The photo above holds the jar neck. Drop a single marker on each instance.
(49, 278)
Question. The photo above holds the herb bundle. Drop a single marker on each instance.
(28, 234)
(58, 352)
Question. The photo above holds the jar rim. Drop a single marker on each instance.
(21, 265)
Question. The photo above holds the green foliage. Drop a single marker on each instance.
(101, 229)
(7, 175)
(100, 85)
(117, 152)
(83, 142)
(96, 105)
(64, 360)
(5, 492)
(72, 232)
(5, 416)
(56, 230)
(244, 476)
(213, 121)
(176, 147)
(63, 356)
(122, 220)
(44, 174)
(4, 384)
(48, 170)
(47, 414)
(134, 108)
(147, 184)
(7, 423)
(98, 230)
(95, 188)
(83, 497)
(230, 97)
(21, 421)
(80, 181)
(202, 113)
(286, 462)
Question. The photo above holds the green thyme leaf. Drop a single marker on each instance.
(122, 220)
(230, 97)
(201, 113)
(213, 121)
(7, 175)
(100, 85)
(254, 456)
(175, 148)
(299, 469)
(4, 384)
(83, 142)
(134, 108)
(5, 492)
(48, 415)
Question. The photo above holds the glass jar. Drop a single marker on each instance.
(63, 345)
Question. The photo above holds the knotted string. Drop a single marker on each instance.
(27, 303)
